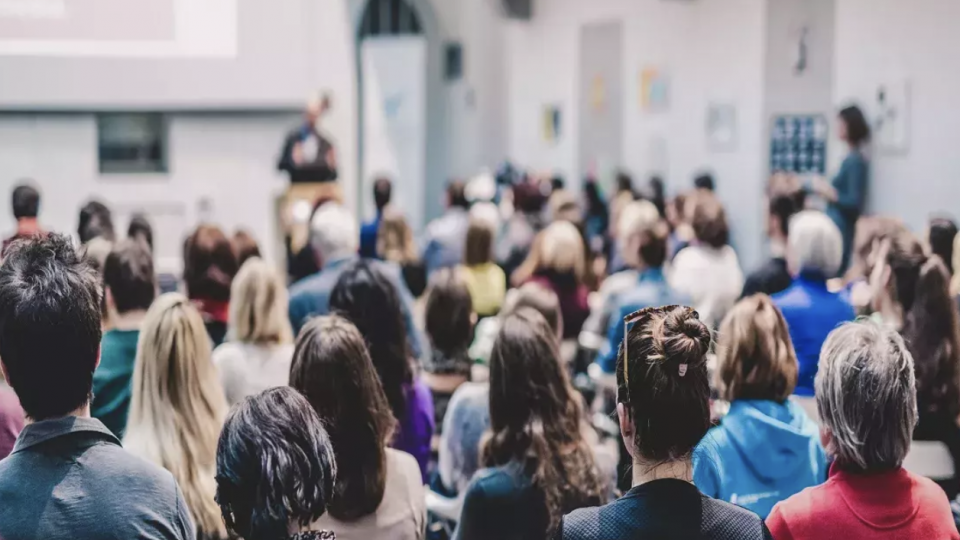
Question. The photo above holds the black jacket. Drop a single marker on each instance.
(314, 171)
(663, 510)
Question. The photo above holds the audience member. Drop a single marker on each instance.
(177, 408)
(259, 345)
(870, 231)
(866, 396)
(140, 229)
(209, 265)
(637, 220)
(708, 271)
(382, 192)
(649, 289)
(130, 286)
(774, 276)
(379, 491)
(466, 420)
(62, 479)
(941, 234)
(557, 262)
(912, 295)
(333, 234)
(448, 321)
(681, 231)
(521, 227)
(705, 182)
(395, 244)
(811, 310)
(445, 236)
(484, 279)
(625, 194)
(96, 221)
(657, 195)
(596, 217)
(367, 298)
(244, 247)
(846, 194)
(531, 295)
(26, 209)
(539, 466)
(664, 411)
(275, 468)
(766, 448)
(12, 418)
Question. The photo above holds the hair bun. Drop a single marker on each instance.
(684, 339)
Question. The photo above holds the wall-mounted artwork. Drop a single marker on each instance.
(654, 90)
(721, 127)
(552, 125)
(891, 123)
(798, 144)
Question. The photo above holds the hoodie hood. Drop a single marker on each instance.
(773, 439)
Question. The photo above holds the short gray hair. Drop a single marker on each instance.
(867, 396)
(815, 243)
(334, 232)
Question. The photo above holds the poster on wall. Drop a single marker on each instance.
(891, 124)
(798, 144)
(654, 90)
(721, 127)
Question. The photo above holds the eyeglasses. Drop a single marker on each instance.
(636, 317)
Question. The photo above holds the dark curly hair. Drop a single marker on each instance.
(275, 465)
(535, 417)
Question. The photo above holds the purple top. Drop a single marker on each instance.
(416, 428)
(11, 420)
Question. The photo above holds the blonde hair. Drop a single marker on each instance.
(395, 239)
(562, 249)
(755, 356)
(258, 305)
(178, 408)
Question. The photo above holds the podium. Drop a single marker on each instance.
(295, 208)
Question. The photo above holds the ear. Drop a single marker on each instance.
(826, 439)
(108, 295)
(626, 428)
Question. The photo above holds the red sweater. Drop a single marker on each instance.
(890, 505)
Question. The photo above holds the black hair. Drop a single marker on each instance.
(557, 183)
(625, 183)
(128, 272)
(456, 195)
(942, 233)
(140, 229)
(365, 296)
(49, 325)
(596, 206)
(26, 201)
(96, 220)
(448, 314)
(704, 181)
(382, 192)
(858, 130)
(275, 465)
(784, 205)
(658, 195)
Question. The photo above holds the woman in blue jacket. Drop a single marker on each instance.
(766, 448)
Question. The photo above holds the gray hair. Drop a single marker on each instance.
(334, 232)
(815, 243)
(867, 396)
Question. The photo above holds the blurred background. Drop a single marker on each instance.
(178, 109)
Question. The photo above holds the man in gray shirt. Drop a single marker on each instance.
(68, 476)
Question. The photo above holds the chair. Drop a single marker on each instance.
(931, 459)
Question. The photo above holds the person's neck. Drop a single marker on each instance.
(130, 320)
(675, 470)
(82, 412)
(28, 226)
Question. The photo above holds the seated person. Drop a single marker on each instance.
(766, 448)
(486, 280)
(811, 310)
(664, 412)
(774, 276)
(272, 445)
(866, 394)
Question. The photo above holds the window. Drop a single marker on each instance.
(389, 18)
(132, 143)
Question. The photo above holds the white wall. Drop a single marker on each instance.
(884, 40)
(229, 160)
(713, 51)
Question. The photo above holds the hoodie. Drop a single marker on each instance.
(885, 505)
(761, 453)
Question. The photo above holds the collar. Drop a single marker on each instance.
(337, 262)
(651, 274)
(45, 430)
(661, 487)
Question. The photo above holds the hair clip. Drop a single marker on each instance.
(683, 369)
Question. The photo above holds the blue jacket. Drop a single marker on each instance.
(812, 312)
(310, 297)
(651, 290)
(368, 237)
(761, 453)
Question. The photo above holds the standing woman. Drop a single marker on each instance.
(177, 407)
(846, 194)
(539, 466)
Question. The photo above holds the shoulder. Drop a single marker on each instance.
(930, 494)
(727, 520)
(803, 506)
(227, 352)
(403, 474)
(304, 287)
(582, 524)
(497, 482)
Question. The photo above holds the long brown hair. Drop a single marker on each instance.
(535, 417)
(920, 284)
(332, 369)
